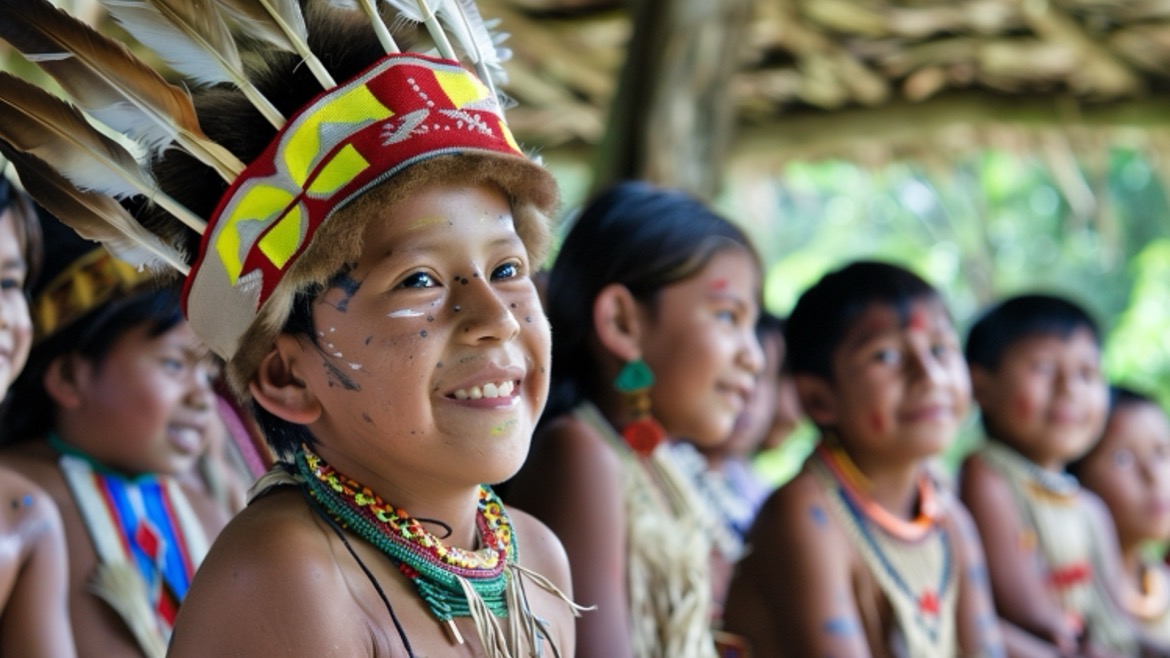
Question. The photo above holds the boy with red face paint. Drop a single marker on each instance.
(862, 553)
(1035, 365)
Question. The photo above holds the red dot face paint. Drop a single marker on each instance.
(917, 320)
(719, 285)
(1021, 407)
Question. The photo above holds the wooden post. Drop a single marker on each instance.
(672, 118)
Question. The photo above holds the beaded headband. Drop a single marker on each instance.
(264, 242)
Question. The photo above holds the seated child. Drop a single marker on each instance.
(1129, 468)
(862, 553)
(367, 280)
(722, 473)
(1035, 364)
(114, 404)
(653, 301)
(34, 608)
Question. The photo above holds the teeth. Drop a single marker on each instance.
(490, 390)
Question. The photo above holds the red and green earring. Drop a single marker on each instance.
(643, 433)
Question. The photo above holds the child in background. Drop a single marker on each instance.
(1035, 364)
(34, 607)
(722, 473)
(1129, 468)
(367, 280)
(653, 301)
(862, 553)
(114, 403)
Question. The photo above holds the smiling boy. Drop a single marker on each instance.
(862, 554)
(367, 280)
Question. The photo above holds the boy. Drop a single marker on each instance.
(861, 554)
(367, 281)
(1035, 364)
(112, 409)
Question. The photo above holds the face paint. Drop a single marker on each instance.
(719, 285)
(425, 221)
(404, 313)
(917, 320)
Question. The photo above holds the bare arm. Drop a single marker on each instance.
(35, 619)
(978, 628)
(792, 595)
(1014, 564)
(572, 482)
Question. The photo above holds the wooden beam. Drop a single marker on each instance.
(902, 124)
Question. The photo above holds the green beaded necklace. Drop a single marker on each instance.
(439, 572)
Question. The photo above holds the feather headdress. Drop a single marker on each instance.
(290, 111)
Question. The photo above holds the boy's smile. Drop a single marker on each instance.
(900, 383)
(1047, 398)
(432, 351)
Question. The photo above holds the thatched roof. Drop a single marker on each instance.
(830, 77)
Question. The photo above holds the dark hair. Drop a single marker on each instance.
(31, 412)
(27, 227)
(1120, 397)
(635, 234)
(770, 324)
(825, 312)
(1025, 316)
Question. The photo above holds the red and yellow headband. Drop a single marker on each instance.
(404, 109)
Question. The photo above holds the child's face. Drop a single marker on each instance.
(1130, 470)
(432, 353)
(900, 386)
(149, 402)
(700, 341)
(1047, 398)
(15, 324)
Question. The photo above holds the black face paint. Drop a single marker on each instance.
(347, 284)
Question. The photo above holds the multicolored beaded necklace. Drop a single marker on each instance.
(437, 571)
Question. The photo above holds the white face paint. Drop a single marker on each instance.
(404, 313)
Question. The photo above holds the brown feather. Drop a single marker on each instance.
(93, 216)
(109, 81)
(35, 121)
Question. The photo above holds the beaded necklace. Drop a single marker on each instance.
(440, 573)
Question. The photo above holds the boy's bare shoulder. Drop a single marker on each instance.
(263, 587)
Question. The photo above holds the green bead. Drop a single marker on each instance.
(635, 376)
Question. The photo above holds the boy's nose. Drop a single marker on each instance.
(481, 313)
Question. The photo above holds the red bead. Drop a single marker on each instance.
(643, 435)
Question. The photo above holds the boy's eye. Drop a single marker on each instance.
(887, 355)
(173, 365)
(418, 280)
(11, 283)
(940, 350)
(509, 270)
(727, 315)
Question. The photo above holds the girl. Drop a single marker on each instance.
(653, 302)
(33, 586)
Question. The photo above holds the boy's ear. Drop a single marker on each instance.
(617, 322)
(817, 399)
(278, 389)
(61, 380)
